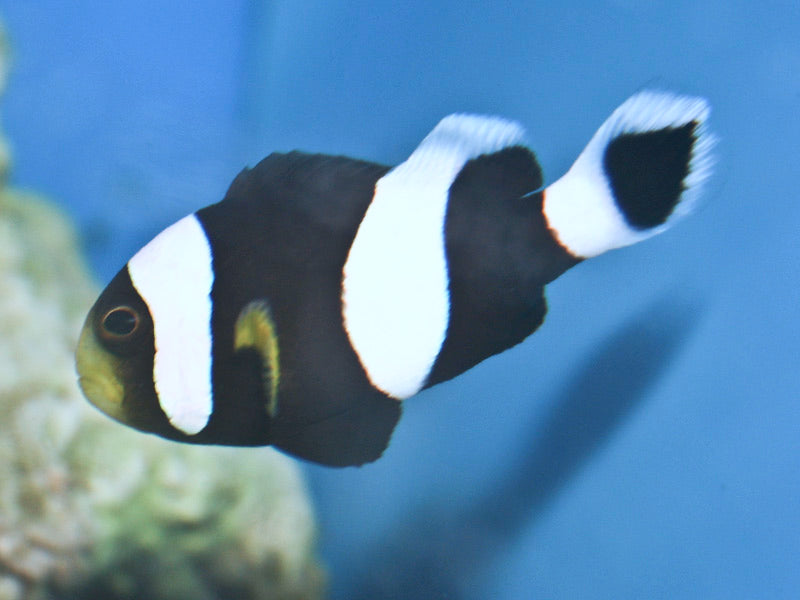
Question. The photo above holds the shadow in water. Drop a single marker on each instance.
(434, 553)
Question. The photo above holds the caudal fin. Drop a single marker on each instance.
(642, 170)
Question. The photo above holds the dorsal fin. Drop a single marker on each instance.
(330, 191)
(456, 139)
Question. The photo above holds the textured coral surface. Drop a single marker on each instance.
(91, 509)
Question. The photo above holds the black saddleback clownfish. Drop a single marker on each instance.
(322, 291)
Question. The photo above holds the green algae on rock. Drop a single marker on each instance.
(90, 509)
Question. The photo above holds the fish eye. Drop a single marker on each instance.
(120, 322)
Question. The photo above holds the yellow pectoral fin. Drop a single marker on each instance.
(255, 329)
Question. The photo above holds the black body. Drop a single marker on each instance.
(283, 233)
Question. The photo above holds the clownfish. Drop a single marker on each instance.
(322, 291)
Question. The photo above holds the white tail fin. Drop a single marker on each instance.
(642, 170)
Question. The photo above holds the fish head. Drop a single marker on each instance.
(114, 358)
(144, 356)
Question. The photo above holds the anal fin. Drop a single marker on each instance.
(353, 436)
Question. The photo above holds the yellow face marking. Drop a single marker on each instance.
(98, 374)
(256, 329)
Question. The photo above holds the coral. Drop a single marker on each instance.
(91, 509)
(43, 527)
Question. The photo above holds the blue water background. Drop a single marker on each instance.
(645, 443)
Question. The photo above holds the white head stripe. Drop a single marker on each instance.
(395, 290)
(580, 206)
(173, 275)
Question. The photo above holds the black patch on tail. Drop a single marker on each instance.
(647, 170)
